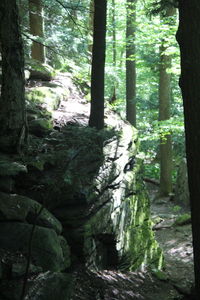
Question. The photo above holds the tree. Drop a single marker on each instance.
(114, 51)
(164, 113)
(12, 100)
(90, 27)
(98, 65)
(188, 36)
(36, 29)
(130, 63)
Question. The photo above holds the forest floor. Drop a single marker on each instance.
(176, 241)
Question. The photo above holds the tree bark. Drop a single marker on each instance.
(12, 100)
(114, 52)
(130, 63)
(164, 114)
(114, 34)
(188, 36)
(90, 29)
(36, 29)
(98, 65)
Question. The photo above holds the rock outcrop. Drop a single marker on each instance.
(30, 244)
(94, 187)
(75, 197)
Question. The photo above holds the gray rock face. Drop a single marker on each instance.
(118, 232)
(100, 199)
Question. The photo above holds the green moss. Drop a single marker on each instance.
(42, 124)
(142, 247)
(33, 64)
(48, 96)
(183, 219)
(136, 241)
(160, 275)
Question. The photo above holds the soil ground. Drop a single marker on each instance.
(176, 242)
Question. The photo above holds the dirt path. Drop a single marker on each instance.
(176, 242)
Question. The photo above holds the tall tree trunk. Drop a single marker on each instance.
(12, 101)
(98, 65)
(36, 29)
(188, 37)
(114, 34)
(130, 63)
(90, 28)
(114, 50)
(164, 113)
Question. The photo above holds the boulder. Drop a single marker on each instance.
(8, 167)
(44, 75)
(40, 127)
(39, 71)
(46, 251)
(50, 97)
(23, 209)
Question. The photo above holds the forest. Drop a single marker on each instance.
(99, 140)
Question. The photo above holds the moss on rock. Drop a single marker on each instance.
(122, 208)
(50, 97)
(183, 220)
(39, 71)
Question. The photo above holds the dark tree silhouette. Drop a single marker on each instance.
(98, 65)
(188, 37)
(12, 101)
